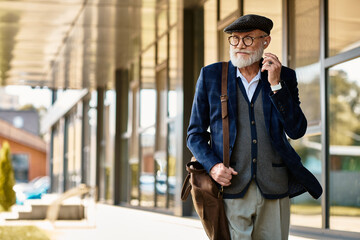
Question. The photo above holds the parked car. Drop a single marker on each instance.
(31, 190)
(147, 184)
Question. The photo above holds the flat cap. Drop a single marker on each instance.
(249, 23)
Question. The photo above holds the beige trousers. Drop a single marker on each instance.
(254, 217)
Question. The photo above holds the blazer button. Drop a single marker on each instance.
(253, 122)
(254, 160)
(254, 141)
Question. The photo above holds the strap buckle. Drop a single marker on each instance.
(224, 98)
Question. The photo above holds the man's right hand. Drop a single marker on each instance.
(222, 174)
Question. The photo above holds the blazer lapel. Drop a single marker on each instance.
(232, 90)
(267, 106)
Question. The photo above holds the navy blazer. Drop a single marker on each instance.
(282, 113)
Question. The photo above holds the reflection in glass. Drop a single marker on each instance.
(173, 57)
(224, 46)
(109, 129)
(304, 45)
(173, 11)
(161, 133)
(162, 49)
(58, 158)
(71, 174)
(227, 7)
(344, 31)
(344, 107)
(210, 31)
(134, 150)
(162, 21)
(147, 26)
(148, 91)
(147, 107)
(272, 10)
(172, 144)
(147, 181)
(305, 211)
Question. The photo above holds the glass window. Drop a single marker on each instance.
(162, 49)
(162, 21)
(134, 148)
(272, 10)
(147, 26)
(224, 46)
(147, 180)
(173, 60)
(344, 107)
(173, 142)
(70, 141)
(172, 113)
(161, 138)
(304, 46)
(20, 163)
(109, 131)
(173, 11)
(210, 31)
(344, 22)
(227, 7)
(305, 211)
(148, 89)
(58, 158)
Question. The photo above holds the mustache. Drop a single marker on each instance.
(243, 51)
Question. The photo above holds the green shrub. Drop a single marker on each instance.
(7, 180)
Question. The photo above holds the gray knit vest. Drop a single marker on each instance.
(260, 161)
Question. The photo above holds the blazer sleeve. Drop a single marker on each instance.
(198, 137)
(287, 103)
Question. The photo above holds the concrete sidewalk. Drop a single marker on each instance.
(113, 223)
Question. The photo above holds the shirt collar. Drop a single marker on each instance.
(255, 79)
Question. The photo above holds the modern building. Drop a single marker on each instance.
(28, 152)
(123, 76)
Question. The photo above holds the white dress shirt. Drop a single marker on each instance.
(250, 87)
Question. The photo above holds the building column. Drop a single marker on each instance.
(121, 159)
(193, 60)
(99, 140)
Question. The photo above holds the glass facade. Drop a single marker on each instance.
(304, 52)
(344, 135)
(343, 21)
(161, 57)
(153, 102)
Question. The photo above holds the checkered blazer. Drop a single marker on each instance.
(282, 113)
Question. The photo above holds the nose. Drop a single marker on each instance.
(240, 44)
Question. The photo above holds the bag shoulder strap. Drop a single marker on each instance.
(224, 112)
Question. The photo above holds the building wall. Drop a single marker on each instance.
(37, 158)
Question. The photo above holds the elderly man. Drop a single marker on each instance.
(264, 109)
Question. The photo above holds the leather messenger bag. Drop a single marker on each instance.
(206, 195)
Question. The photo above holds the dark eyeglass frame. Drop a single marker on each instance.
(244, 39)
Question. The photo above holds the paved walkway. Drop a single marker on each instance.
(113, 223)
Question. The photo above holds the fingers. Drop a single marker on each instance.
(222, 174)
(270, 62)
(233, 172)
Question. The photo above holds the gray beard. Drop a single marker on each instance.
(240, 62)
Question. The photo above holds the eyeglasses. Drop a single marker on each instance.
(248, 41)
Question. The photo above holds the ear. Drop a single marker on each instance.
(267, 41)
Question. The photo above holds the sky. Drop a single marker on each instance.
(27, 95)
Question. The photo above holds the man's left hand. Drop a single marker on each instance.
(272, 64)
